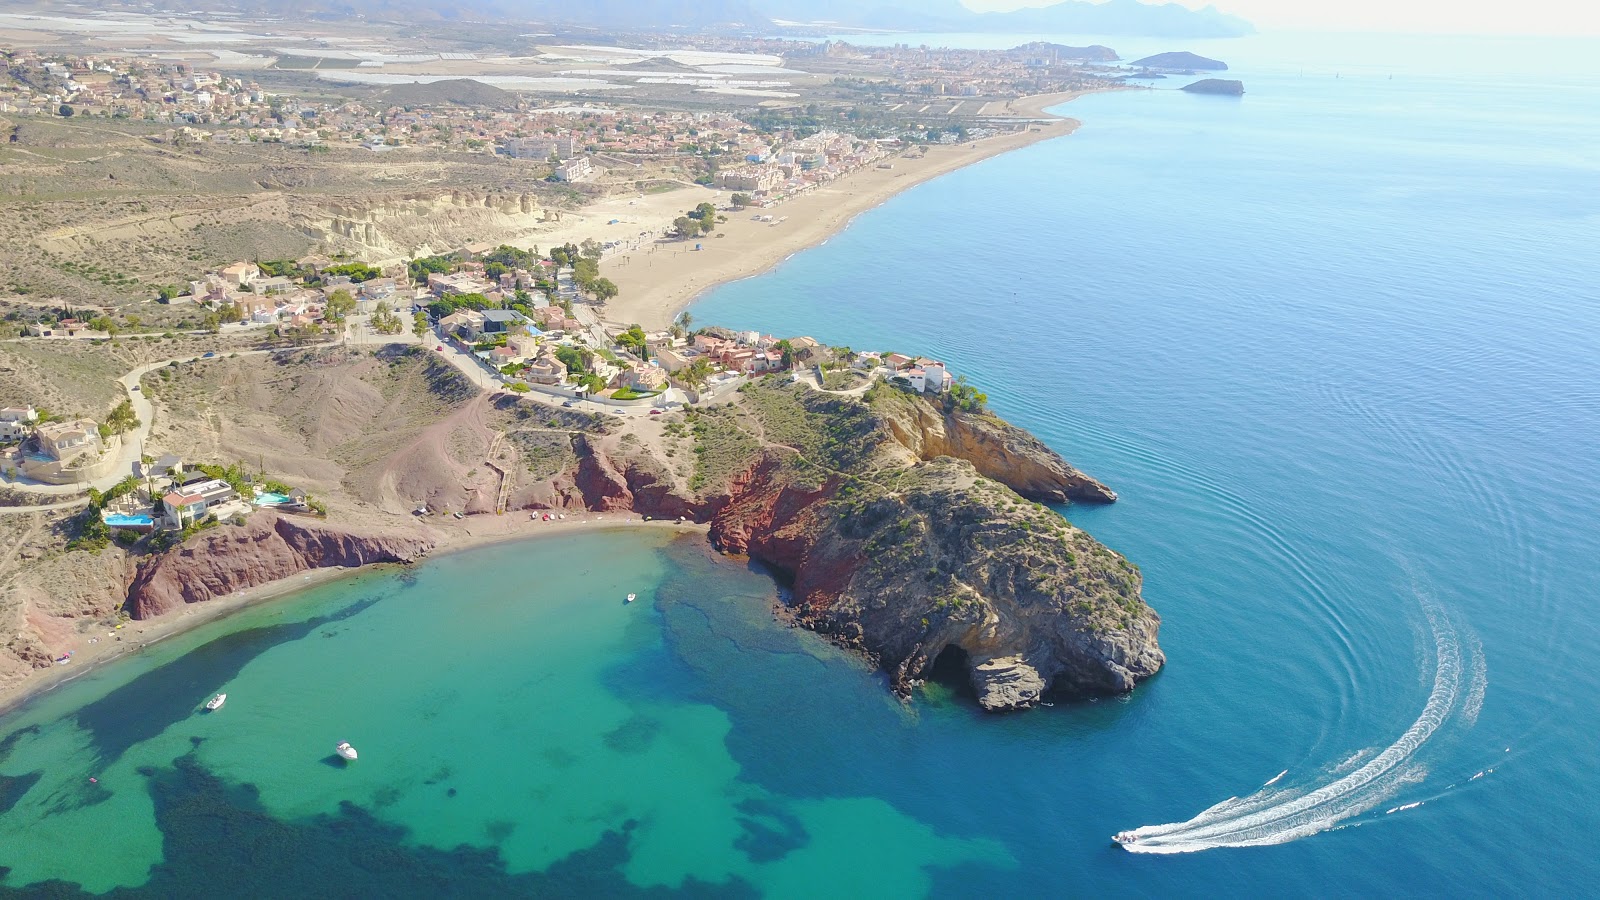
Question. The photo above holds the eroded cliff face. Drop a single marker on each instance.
(920, 542)
(995, 447)
(269, 547)
(417, 224)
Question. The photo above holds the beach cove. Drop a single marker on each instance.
(1338, 360)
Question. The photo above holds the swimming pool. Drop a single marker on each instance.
(270, 498)
(121, 521)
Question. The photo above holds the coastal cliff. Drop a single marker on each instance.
(908, 528)
(267, 548)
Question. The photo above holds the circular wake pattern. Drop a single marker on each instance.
(1276, 816)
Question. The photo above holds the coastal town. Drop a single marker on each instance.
(270, 311)
(511, 321)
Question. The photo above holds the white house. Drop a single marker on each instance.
(16, 422)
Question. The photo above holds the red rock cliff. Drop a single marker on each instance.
(269, 547)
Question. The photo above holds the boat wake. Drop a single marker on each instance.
(1278, 815)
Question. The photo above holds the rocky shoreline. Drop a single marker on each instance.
(908, 529)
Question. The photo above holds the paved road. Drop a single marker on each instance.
(43, 507)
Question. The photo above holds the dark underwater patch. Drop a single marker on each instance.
(218, 840)
(635, 735)
(151, 703)
(12, 787)
(770, 832)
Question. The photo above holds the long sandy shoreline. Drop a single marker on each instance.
(659, 280)
(457, 537)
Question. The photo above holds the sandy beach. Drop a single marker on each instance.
(455, 537)
(660, 279)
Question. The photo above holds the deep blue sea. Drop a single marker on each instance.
(1336, 344)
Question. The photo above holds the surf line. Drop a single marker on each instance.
(1285, 814)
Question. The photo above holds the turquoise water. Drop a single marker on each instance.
(269, 498)
(116, 521)
(1337, 345)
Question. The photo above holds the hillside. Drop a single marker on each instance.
(909, 528)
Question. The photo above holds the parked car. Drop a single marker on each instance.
(655, 412)
(439, 348)
(208, 354)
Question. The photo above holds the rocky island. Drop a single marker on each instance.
(1221, 86)
(1181, 61)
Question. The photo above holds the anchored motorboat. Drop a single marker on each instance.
(215, 703)
(345, 750)
(632, 597)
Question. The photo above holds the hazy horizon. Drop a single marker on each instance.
(1553, 18)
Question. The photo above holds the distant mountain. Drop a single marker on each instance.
(1129, 17)
(1043, 49)
(1183, 61)
(1120, 17)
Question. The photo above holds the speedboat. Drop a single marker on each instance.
(345, 750)
(215, 703)
(632, 597)
(1125, 838)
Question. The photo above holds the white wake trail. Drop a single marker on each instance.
(1277, 816)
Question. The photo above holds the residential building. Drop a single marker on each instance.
(241, 274)
(542, 148)
(545, 370)
(500, 321)
(16, 422)
(575, 170)
(189, 503)
(467, 323)
(62, 441)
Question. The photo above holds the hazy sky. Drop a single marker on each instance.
(1474, 16)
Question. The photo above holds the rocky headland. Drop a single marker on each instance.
(907, 528)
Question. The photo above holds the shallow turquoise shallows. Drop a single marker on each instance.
(1337, 345)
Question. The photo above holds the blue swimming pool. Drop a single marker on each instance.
(121, 521)
(270, 498)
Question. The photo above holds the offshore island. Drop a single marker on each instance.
(254, 332)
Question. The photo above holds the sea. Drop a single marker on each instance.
(1336, 343)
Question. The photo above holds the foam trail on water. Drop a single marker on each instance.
(1281, 815)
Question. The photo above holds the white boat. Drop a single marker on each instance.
(215, 703)
(345, 750)
(1125, 837)
(632, 597)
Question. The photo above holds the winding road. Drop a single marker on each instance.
(132, 443)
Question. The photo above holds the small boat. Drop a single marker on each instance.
(1125, 838)
(345, 750)
(632, 597)
(215, 703)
